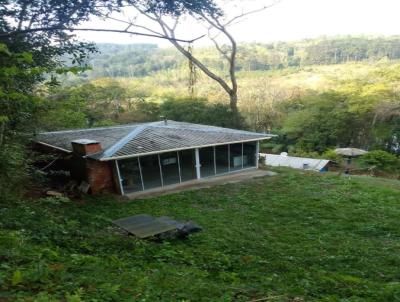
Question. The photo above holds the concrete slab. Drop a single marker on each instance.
(203, 183)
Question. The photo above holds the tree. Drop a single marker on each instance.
(205, 11)
(34, 37)
(55, 18)
(217, 25)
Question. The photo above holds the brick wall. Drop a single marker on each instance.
(100, 176)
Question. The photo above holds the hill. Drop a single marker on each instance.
(294, 243)
(340, 92)
(137, 60)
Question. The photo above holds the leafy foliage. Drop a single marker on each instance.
(381, 160)
(138, 60)
(199, 111)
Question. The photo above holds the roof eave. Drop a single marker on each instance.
(184, 148)
(52, 146)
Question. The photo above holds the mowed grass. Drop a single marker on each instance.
(292, 237)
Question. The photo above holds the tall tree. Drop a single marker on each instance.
(34, 37)
(216, 24)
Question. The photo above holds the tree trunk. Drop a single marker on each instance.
(233, 99)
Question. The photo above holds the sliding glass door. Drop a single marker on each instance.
(222, 159)
(170, 168)
(129, 173)
(207, 162)
(249, 154)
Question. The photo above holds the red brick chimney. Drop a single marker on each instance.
(84, 147)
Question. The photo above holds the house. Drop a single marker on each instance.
(303, 163)
(139, 157)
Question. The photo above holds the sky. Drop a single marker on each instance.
(286, 21)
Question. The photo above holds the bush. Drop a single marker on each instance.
(202, 112)
(14, 170)
(380, 159)
(332, 155)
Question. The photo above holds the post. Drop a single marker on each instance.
(161, 175)
(229, 158)
(197, 153)
(140, 171)
(215, 162)
(242, 155)
(121, 188)
(179, 166)
(257, 153)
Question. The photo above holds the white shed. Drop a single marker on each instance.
(301, 163)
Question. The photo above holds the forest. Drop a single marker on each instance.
(341, 92)
(138, 60)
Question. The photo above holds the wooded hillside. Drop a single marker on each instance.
(137, 60)
(316, 94)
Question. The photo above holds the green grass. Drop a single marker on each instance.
(293, 237)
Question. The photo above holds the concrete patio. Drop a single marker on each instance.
(239, 176)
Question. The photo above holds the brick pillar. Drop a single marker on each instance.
(98, 174)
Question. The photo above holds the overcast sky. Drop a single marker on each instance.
(288, 20)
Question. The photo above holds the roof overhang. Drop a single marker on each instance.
(180, 149)
(52, 146)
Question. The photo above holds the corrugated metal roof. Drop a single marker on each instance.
(141, 139)
(294, 162)
(107, 136)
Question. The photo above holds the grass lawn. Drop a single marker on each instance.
(293, 237)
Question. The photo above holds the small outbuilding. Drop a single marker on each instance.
(302, 163)
(140, 157)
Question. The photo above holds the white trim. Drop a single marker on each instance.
(198, 165)
(257, 153)
(242, 156)
(123, 141)
(215, 162)
(161, 174)
(180, 149)
(229, 158)
(121, 187)
(179, 167)
(140, 171)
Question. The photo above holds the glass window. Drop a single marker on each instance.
(150, 171)
(222, 159)
(130, 175)
(207, 161)
(235, 157)
(187, 160)
(170, 168)
(249, 154)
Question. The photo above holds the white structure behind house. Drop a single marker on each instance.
(302, 163)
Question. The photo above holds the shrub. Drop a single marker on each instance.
(331, 155)
(380, 159)
(14, 170)
(202, 112)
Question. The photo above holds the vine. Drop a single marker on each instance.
(193, 74)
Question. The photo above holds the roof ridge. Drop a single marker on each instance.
(123, 141)
(211, 128)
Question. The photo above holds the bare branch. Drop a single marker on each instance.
(44, 29)
(217, 46)
(257, 10)
(131, 24)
